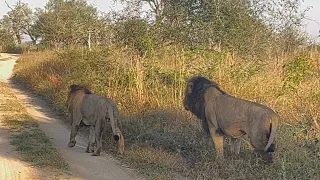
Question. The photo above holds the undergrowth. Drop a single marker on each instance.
(162, 139)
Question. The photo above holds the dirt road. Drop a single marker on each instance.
(83, 165)
(6, 65)
(11, 168)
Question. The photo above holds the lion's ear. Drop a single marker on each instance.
(190, 87)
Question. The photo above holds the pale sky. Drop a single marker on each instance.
(312, 26)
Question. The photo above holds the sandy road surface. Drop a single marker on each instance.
(82, 165)
(6, 66)
(11, 168)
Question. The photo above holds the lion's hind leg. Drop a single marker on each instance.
(91, 143)
(98, 133)
(235, 146)
(259, 141)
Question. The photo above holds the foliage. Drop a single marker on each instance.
(135, 33)
(162, 140)
(70, 23)
(232, 42)
(295, 72)
(248, 28)
(6, 40)
(252, 29)
(18, 21)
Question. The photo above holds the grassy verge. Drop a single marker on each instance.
(33, 145)
(165, 142)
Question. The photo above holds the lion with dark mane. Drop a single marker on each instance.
(95, 111)
(224, 115)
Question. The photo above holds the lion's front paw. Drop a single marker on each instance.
(71, 144)
(95, 154)
(89, 149)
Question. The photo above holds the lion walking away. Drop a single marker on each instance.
(224, 115)
(92, 110)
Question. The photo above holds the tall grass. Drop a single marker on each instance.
(161, 138)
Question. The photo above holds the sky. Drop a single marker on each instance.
(311, 26)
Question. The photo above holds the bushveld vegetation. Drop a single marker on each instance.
(254, 50)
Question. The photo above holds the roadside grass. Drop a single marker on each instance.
(4, 58)
(33, 145)
(163, 147)
(162, 140)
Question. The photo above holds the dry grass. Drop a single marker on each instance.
(164, 141)
(34, 146)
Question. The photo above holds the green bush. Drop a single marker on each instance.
(295, 72)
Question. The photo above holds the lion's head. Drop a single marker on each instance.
(75, 87)
(76, 94)
(194, 97)
(194, 91)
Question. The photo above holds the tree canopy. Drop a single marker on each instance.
(252, 28)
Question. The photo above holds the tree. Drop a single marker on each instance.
(69, 22)
(6, 40)
(134, 33)
(249, 27)
(19, 21)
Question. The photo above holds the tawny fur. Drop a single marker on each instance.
(224, 115)
(92, 110)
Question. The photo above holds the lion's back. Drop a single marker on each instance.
(260, 111)
(93, 105)
(232, 110)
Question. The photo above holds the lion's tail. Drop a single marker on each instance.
(114, 124)
(274, 120)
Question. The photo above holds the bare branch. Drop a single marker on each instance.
(9, 5)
